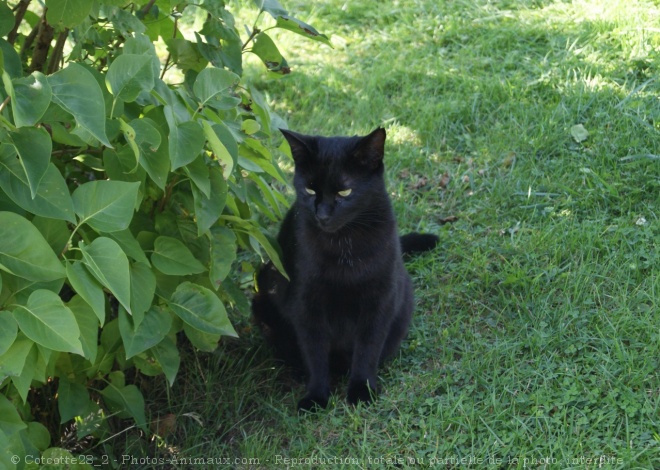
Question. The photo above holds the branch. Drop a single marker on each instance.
(255, 31)
(19, 13)
(27, 45)
(44, 38)
(56, 55)
(147, 8)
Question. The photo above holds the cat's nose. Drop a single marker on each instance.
(323, 218)
(323, 214)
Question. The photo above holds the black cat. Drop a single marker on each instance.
(349, 300)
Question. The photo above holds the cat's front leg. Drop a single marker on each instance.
(314, 340)
(363, 379)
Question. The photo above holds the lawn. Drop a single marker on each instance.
(526, 134)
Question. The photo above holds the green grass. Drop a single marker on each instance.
(537, 329)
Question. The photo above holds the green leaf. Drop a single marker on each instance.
(128, 156)
(48, 322)
(236, 296)
(91, 421)
(67, 13)
(109, 265)
(260, 108)
(10, 420)
(212, 82)
(38, 435)
(167, 355)
(270, 55)
(209, 209)
(186, 142)
(198, 172)
(122, 165)
(13, 360)
(87, 287)
(33, 146)
(88, 324)
(206, 342)
(579, 133)
(268, 192)
(143, 288)
(270, 249)
(127, 401)
(30, 98)
(153, 157)
(126, 22)
(106, 206)
(76, 90)
(56, 232)
(200, 308)
(24, 252)
(217, 136)
(22, 288)
(72, 399)
(250, 126)
(12, 62)
(149, 333)
(256, 233)
(8, 331)
(141, 44)
(272, 7)
(129, 245)
(129, 75)
(23, 381)
(6, 23)
(284, 21)
(52, 198)
(172, 257)
(299, 27)
(223, 43)
(223, 254)
(186, 55)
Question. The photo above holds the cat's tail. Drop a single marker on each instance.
(417, 242)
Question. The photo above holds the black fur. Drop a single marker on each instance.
(349, 300)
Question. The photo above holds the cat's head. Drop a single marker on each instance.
(338, 179)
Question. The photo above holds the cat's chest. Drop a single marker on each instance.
(342, 263)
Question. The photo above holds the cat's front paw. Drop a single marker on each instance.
(311, 402)
(360, 392)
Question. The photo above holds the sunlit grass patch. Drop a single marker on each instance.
(536, 330)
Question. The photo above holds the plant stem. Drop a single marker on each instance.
(4, 103)
(168, 193)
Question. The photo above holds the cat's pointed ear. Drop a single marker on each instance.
(371, 149)
(298, 144)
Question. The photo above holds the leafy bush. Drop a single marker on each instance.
(123, 200)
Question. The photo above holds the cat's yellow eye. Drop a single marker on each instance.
(310, 191)
(345, 192)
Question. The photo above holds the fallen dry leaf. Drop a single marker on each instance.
(444, 180)
(448, 220)
(164, 425)
(420, 183)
